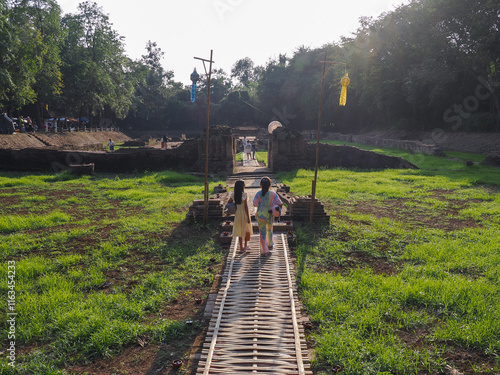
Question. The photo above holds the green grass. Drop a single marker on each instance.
(70, 236)
(14, 223)
(259, 155)
(452, 165)
(408, 271)
(403, 280)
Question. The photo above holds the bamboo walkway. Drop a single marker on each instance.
(254, 328)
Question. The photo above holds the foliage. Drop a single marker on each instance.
(426, 64)
(94, 65)
(45, 17)
(151, 91)
(244, 71)
(32, 40)
(5, 53)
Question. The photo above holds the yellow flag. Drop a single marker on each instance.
(343, 93)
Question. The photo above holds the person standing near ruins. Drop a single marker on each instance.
(248, 151)
(111, 145)
(244, 142)
(164, 140)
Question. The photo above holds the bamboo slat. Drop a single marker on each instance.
(254, 328)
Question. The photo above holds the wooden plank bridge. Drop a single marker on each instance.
(255, 324)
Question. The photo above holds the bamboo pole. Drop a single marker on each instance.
(207, 143)
(313, 192)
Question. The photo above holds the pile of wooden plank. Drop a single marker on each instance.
(195, 213)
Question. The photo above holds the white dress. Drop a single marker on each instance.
(241, 226)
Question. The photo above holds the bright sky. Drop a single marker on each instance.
(233, 29)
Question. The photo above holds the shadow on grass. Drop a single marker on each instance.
(185, 308)
(307, 238)
(193, 251)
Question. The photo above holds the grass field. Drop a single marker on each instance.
(102, 264)
(260, 156)
(405, 279)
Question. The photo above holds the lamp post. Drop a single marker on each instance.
(325, 72)
(205, 195)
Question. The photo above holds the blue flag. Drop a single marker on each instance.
(193, 92)
(194, 78)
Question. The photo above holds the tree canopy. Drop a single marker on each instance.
(427, 64)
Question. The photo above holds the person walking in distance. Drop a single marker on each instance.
(264, 200)
(242, 226)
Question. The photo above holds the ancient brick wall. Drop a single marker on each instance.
(288, 150)
(189, 156)
(220, 151)
(120, 161)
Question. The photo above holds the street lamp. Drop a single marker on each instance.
(342, 102)
(205, 195)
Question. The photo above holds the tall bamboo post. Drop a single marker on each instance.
(207, 144)
(314, 182)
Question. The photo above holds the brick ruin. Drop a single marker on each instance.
(188, 156)
(287, 148)
(221, 150)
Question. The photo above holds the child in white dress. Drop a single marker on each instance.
(242, 226)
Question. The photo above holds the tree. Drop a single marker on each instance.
(414, 63)
(152, 85)
(220, 85)
(6, 56)
(153, 91)
(39, 30)
(243, 71)
(472, 31)
(96, 70)
(25, 41)
(270, 87)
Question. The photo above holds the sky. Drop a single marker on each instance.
(233, 29)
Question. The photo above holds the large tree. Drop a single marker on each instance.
(38, 25)
(96, 69)
(6, 55)
(271, 86)
(244, 71)
(418, 66)
(153, 87)
(472, 31)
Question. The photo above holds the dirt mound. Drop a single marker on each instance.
(81, 138)
(18, 141)
(60, 140)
